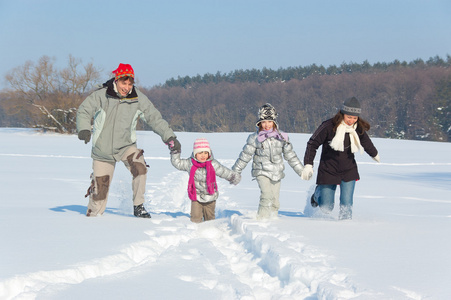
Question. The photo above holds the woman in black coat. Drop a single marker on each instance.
(341, 137)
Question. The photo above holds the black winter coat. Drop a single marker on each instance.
(335, 166)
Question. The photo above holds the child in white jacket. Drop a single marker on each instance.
(202, 187)
(266, 147)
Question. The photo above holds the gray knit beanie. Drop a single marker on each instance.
(351, 107)
(267, 113)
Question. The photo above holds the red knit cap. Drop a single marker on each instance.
(123, 70)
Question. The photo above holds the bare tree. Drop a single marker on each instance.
(35, 83)
(76, 81)
(54, 93)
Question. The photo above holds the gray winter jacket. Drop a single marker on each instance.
(267, 157)
(115, 119)
(200, 177)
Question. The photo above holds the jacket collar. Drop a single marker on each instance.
(110, 91)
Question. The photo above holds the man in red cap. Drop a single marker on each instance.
(115, 108)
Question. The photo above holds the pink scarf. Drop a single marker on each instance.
(211, 178)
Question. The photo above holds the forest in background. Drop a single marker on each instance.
(402, 100)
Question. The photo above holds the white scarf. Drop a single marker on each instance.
(337, 142)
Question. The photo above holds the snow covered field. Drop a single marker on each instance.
(397, 246)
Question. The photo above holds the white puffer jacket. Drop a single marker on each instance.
(200, 177)
(267, 157)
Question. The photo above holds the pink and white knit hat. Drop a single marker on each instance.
(201, 145)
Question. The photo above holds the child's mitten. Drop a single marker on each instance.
(235, 179)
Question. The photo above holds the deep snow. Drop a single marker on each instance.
(396, 247)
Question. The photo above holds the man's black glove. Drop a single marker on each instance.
(84, 135)
(174, 145)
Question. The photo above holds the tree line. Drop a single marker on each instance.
(403, 100)
(301, 72)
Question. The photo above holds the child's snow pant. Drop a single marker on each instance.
(269, 197)
(201, 210)
(103, 174)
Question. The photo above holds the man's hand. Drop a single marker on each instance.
(85, 135)
(174, 145)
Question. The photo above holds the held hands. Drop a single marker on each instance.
(235, 179)
(85, 135)
(174, 145)
(307, 173)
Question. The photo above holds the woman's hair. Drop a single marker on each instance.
(362, 125)
(261, 128)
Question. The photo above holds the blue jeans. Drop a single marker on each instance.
(325, 197)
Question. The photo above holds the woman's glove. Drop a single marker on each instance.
(85, 135)
(376, 158)
(307, 173)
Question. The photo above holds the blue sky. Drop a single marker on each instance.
(170, 38)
